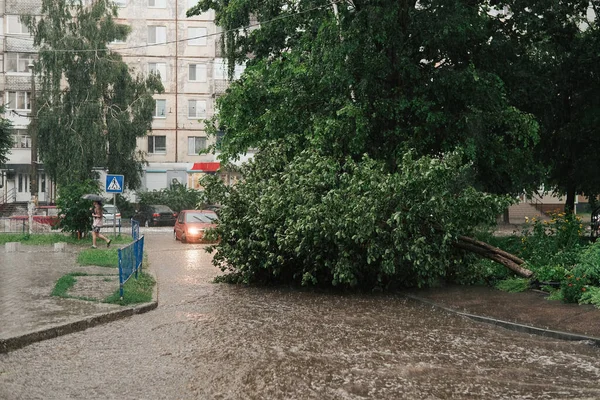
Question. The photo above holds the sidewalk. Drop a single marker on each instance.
(28, 313)
(528, 312)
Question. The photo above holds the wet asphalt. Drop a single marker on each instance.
(216, 341)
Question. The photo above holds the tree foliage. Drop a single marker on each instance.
(551, 67)
(315, 219)
(76, 215)
(177, 198)
(90, 109)
(6, 142)
(379, 78)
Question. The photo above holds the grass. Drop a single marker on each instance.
(100, 257)
(51, 238)
(64, 283)
(513, 285)
(135, 291)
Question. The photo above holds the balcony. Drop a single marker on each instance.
(19, 7)
(19, 44)
(18, 82)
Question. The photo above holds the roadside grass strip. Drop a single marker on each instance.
(66, 282)
(99, 257)
(51, 238)
(135, 291)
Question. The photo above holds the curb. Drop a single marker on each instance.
(513, 326)
(26, 339)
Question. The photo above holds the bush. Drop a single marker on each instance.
(178, 198)
(573, 286)
(75, 211)
(555, 243)
(315, 220)
(590, 296)
(513, 285)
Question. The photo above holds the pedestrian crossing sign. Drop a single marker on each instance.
(114, 183)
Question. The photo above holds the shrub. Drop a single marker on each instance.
(591, 296)
(573, 286)
(314, 219)
(555, 243)
(513, 285)
(177, 197)
(75, 211)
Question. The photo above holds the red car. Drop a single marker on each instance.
(191, 225)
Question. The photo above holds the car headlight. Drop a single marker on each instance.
(194, 231)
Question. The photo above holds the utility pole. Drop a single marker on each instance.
(33, 134)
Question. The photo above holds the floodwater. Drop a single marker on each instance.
(217, 341)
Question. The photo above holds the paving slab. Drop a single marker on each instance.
(27, 309)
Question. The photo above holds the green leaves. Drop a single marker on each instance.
(311, 219)
(90, 109)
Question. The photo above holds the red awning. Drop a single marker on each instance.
(206, 166)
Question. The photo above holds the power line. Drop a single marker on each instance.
(147, 45)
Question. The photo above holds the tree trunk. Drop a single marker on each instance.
(506, 217)
(570, 204)
(485, 250)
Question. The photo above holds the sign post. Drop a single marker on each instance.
(114, 185)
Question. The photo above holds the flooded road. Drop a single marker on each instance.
(216, 341)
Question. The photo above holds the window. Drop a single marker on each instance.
(120, 3)
(14, 25)
(160, 109)
(157, 34)
(197, 36)
(42, 180)
(220, 70)
(18, 100)
(21, 139)
(195, 144)
(18, 62)
(157, 144)
(197, 73)
(158, 69)
(157, 3)
(196, 109)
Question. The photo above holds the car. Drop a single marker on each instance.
(155, 215)
(191, 225)
(109, 212)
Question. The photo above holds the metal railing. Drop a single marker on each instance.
(135, 229)
(130, 262)
(9, 197)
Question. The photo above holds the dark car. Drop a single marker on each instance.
(155, 215)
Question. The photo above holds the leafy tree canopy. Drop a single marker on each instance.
(313, 219)
(376, 78)
(6, 141)
(90, 108)
(551, 68)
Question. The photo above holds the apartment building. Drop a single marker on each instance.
(184, 51)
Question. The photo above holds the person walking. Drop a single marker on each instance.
(97, 224)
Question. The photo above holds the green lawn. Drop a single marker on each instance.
(51, 238)
(135, 291)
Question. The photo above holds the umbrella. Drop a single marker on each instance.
(93, 197)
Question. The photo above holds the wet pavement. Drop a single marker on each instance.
(216, 341)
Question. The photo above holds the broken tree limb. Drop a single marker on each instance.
(495, 254)
(491, 248)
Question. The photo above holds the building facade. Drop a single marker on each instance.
(183, 51)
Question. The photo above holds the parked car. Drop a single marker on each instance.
(191, 225)
(108, 215)
(155, 215)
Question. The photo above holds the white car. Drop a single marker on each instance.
(108, 215)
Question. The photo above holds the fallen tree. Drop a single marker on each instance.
(316, 220)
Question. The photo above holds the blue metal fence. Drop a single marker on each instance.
(135, 229)
(130, 261)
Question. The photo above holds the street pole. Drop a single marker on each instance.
(33, 134)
